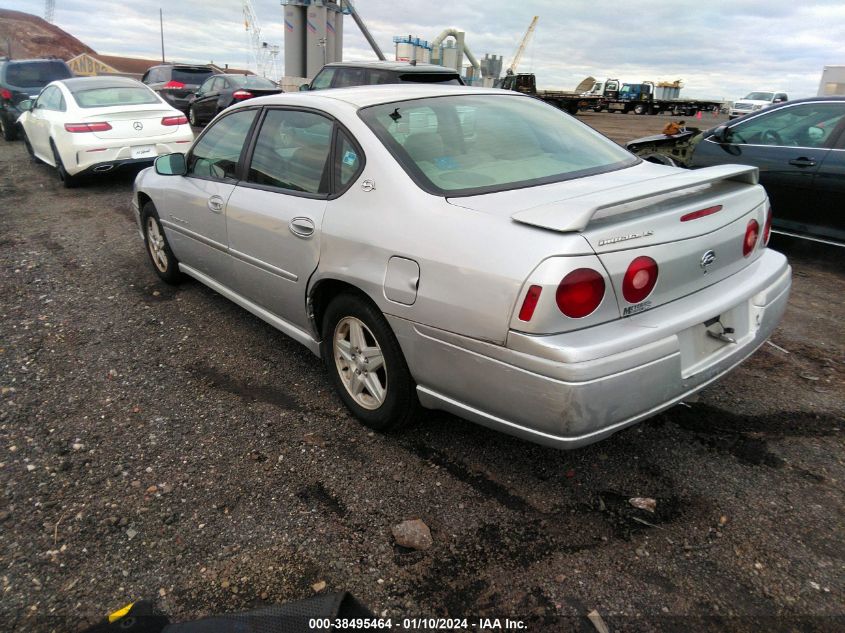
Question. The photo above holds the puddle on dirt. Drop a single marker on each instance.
(746, 437)
(246, 391)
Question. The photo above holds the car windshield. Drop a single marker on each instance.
(251, 81)
(467, 144)
(114, 96)
(760, 96)
(35, 74)
(191, 75)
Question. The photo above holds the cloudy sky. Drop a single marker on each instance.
(720, 48)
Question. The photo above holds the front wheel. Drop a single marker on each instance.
(366, 364)
(192, 117)
(164, 261)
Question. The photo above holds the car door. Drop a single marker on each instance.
(45, 114)
(195, 204)
(200, 104)
(827, 219)
(787, 145)
(274, 216)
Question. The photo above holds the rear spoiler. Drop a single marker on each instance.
(574, 214)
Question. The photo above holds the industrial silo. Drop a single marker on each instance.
(294, 41)
(331, 45)
(315, 40)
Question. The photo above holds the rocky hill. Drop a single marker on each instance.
(23, 35)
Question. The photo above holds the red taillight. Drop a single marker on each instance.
(174, 120)
(530, 303)
(752, 231)
(173, 84)
(580, 293)
(6, 94)
(242, 94)
(88, 127)
(701, 213)
(767, 227)
(639, 279)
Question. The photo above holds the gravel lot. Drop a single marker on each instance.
(161, 442)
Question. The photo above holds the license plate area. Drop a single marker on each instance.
(706, 343)
(144, 151)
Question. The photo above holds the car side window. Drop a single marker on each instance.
(217, 153)
(51, 99)
(376, 77)
(206, 86)
(349, 77)
(805, 125)
(218, 84)
(291, 152)
(323, 79)
(348, 161)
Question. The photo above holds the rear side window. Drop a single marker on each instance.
(216, 154)
(35, 74)
(114, 96)
(348, 161)
(350, 77)
(291, 152)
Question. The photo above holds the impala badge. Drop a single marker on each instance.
(708, 258)
(368, 185)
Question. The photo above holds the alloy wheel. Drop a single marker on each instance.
(360, 363)
(155, 242)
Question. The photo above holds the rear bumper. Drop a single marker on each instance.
(100, 154)
(572, 389)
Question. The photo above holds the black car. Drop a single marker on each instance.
(799, 148)
(22, 79)
(177, 83)
(220, 91)
(344, 74)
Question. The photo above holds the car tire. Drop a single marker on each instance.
(192, 117)
(10, 132)
(639, 109)
(65, 178)
(161, 256)
(355, 336)
(32, 157)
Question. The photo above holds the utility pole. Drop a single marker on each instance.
(161, 27)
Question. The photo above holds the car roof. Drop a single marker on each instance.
(364, 96)
(77, 84)
(398, 66)
(176, 64)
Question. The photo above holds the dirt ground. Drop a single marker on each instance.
(161, 442)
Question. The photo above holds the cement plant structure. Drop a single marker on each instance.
(313, 35)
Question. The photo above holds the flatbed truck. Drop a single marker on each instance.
(570, 101)
(644, 98)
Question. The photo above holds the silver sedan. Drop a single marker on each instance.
(475, 251)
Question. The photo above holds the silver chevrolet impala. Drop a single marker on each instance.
(475, 251)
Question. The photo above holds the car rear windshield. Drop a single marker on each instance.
(113, 96)
(468, 144)
(191, 75)
(760, 96)
(35, 74)
(251, 81)
(430, 78)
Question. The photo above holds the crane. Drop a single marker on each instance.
(517, 56)
(260, 52)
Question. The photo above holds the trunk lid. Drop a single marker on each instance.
(623, 218)
(136, 122)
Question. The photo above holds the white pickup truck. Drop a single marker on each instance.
(756, 100)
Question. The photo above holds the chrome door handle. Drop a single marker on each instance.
(302, 227)
(803, 162)
(215, 203)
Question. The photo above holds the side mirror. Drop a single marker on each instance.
(304, 87)
(25, 105)
(721, 134)
(171, 165)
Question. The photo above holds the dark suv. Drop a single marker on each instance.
(22, 79)
(343, 74)
(177, 83)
